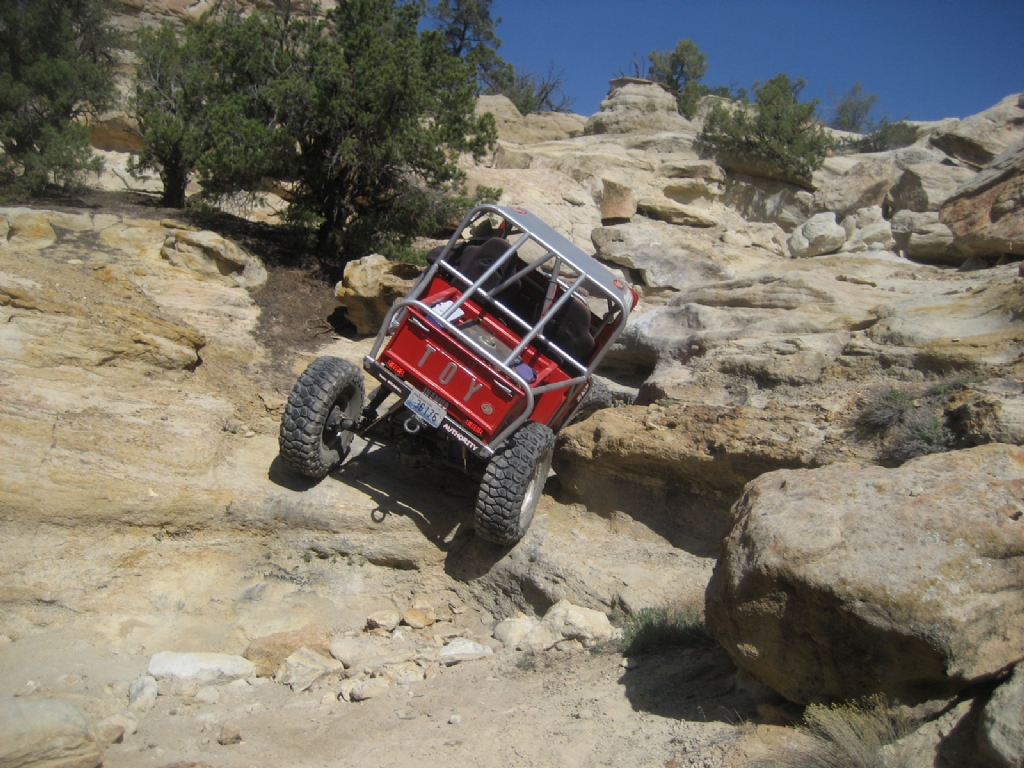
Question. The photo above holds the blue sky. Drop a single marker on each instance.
(926, 59)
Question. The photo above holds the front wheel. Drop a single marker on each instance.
(512, 484)
(313, 438)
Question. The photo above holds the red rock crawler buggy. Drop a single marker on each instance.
(489, 355)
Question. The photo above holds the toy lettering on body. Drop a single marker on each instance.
(448, 373)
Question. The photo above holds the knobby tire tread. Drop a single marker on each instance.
(499, 506)
(328, 381)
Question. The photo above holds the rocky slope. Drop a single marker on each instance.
(809, 340)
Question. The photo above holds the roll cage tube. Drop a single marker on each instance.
(591, 276)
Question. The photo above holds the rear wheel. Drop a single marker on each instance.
(313, 438)
(512, 484)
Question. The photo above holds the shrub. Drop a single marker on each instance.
(849, 736)
(659, 629)
(884, 410)
(885, 135)
(778, 137)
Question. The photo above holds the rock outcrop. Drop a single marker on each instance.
(852, 580)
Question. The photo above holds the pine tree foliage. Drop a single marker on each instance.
(777, 136)
(357, 112)
(55, 71)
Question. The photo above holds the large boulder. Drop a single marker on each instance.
(980, 138)
(863, 186)
(850, 580)
(635, 105)
(370, 286)
(1001, 731)
(47, 733)
(986, 215)
(926, 186)
(923, 237)
(530, 129)
(819, 235)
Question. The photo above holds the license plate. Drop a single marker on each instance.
(431, 412)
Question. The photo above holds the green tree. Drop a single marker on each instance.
(168, 105)
(851, 113)
(55, 71)
(469, 33)
(358, 112)
(777, 136)
(677, 68)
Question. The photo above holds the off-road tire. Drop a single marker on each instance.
(512, 484)
(328, 391)
(598, 397)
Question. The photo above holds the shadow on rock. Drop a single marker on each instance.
(280, 474)
(696, 684)
(438, 500)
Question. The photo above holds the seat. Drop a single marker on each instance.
(570, 329)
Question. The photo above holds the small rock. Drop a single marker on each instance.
(27, 689)
(269, 651)
(386, 620)
(574, 622)
(128, 723)
(351, 651)
(328, 698)
(462, 649)
(418, 618)
(229, 734)
(208, 695)
(368, 689)
(511, 632)
(455, 720)
(203, 667)
(142, 694)
(305, 667)
(108, 734)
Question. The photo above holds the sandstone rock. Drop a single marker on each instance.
(353, 652)
(923, 237)
(142, 694)
(418, 618)
(679, 459)
(386, 620)
(304, 667)
(980, 138)
(848, 580)
(200, 667)
(664, 209)
(1001, 730)
(926, 187)
(573, 622)
(511, 632)
(866, 230)
(27, 229)
(211, 255)
(541, 638)
(126, 721)
(819, 235)
(637, 105)
(542, 126)
(462, 649)
(986, 215)
(368, 689)
(370, 286)
(229, 734)
(617, 201)
(46, 733)
(268, 652)
(661, 255)
(863, 186)
(768, 200)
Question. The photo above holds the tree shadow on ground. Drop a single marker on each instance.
(697, 684)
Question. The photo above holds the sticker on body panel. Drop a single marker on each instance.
(431, 412)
